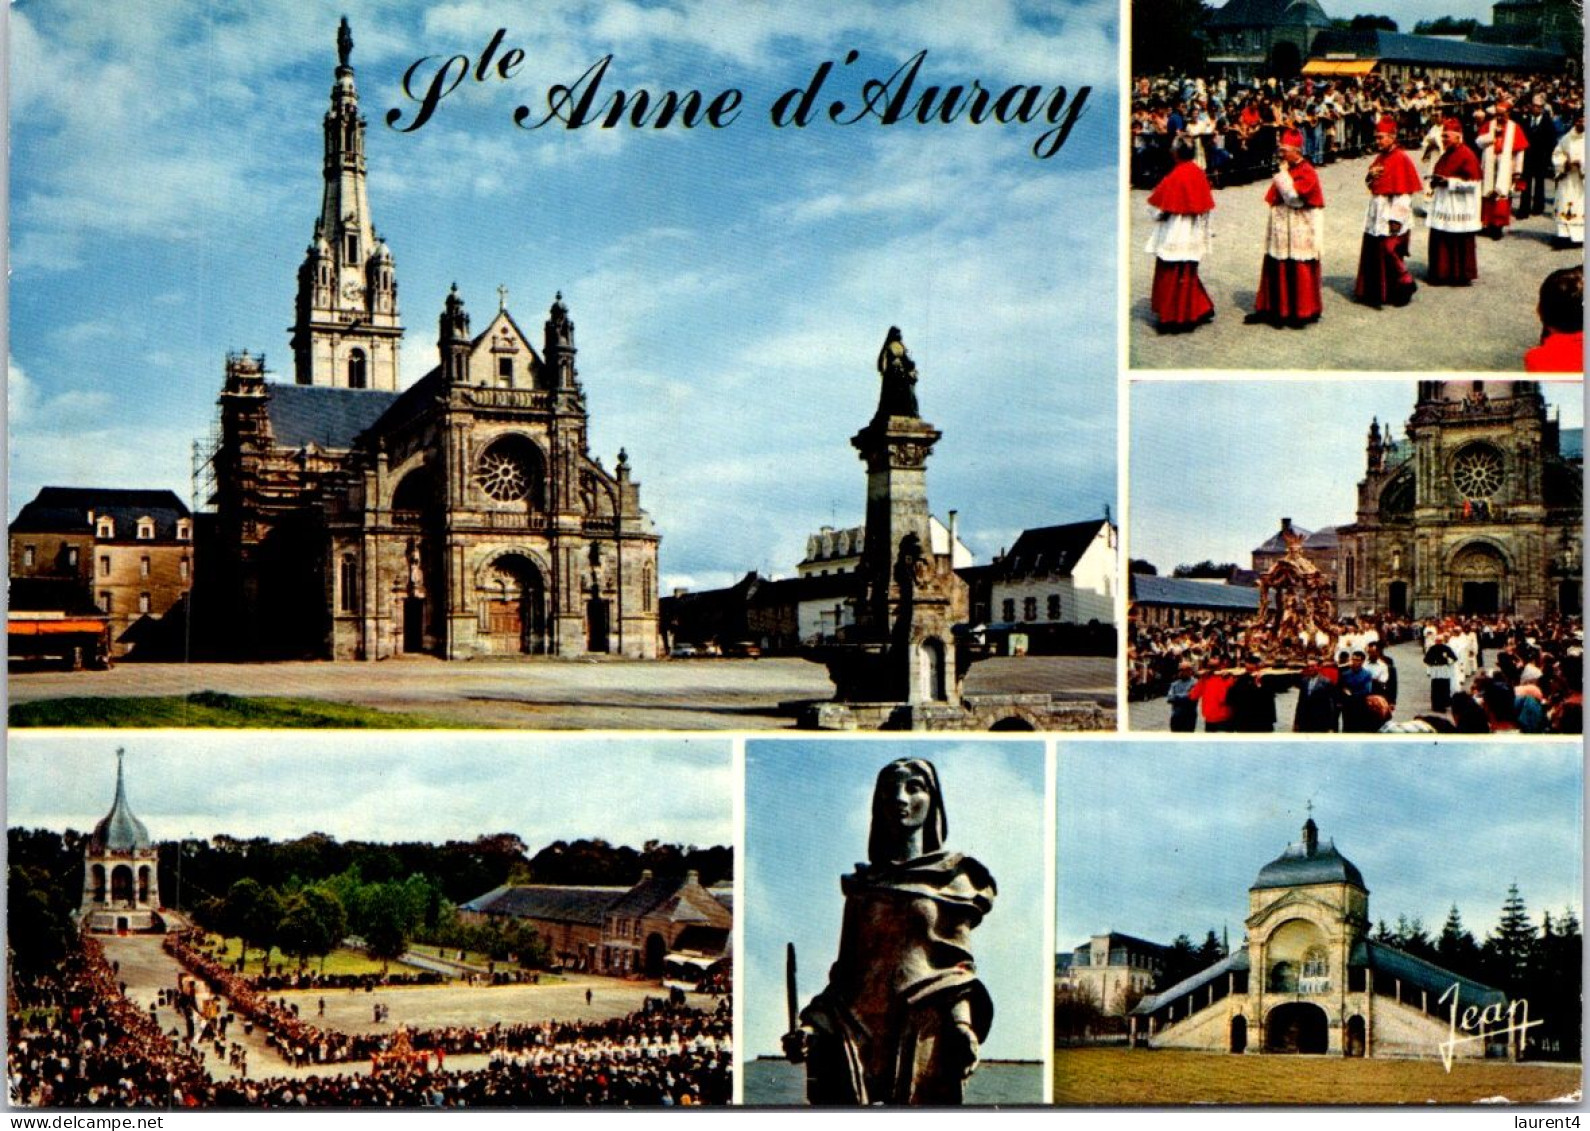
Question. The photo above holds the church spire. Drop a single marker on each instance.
(347, 330)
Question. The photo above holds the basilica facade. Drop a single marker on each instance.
(461, 517)
(1477, 510)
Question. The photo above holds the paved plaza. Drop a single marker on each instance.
(555, 694)
(146, 969)
(1487, 326)
(1413, 696)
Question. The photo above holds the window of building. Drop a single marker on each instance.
(184, 529)
(1007, 610)
(105, 527)
(104, 601)
(1029, 608)
(505, 372)
(104, 565)
(352, 244)
(143, 602)
(358, 370)
(28, 553)
(146, 529)
(348, 583)
(143, 566)
(1054, 606)
(71, 557)
(182, 569)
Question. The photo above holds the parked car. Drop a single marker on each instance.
(683, 651)
(744, 650)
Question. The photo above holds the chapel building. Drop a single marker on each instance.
(1309, 979)
(461, 517)
(121, 871)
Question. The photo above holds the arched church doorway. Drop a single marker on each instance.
(1478, 577)
(1239, 1034)
(656, 952)
(1397, 599)
(97, 878)
(1354, 1042)
(513, 603)
(1297, 1027)
(121, 884)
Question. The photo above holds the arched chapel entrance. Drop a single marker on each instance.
(1297, 1027)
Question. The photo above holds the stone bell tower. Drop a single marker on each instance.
(346, 332)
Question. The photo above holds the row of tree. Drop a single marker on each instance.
(303, 896)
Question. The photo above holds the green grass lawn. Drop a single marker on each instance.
(211, 709)
(339, 961)
(1123, 1077)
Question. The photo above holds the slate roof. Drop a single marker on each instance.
(119, 831)
(1325, 538)
(1269, 13)
(1186, 591)
(583, 905)
(1236, 960)
(1275, 544)
(664, 896)
(791, 590)
(590, 906)
(65, 510)
(1297, 865)
(1429, 50)
(329, 418)
(1048, 550)
(1419, 974)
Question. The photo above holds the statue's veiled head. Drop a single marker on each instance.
(906, 800)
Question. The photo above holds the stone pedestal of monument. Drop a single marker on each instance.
(900, 665)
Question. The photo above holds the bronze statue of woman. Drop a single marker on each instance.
(903, 1017)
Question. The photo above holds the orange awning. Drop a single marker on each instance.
(54, 627)
(1339, 66)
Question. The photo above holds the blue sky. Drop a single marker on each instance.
(806, 818)
(1157, 839)
(1215, 466)
(731, 287)
(390, 787)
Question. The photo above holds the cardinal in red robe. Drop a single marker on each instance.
(1181, 205)
(1454, 211)
(1393, 180)
(1289, 281)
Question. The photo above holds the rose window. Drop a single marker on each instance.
(1477, 473)
(502, 475)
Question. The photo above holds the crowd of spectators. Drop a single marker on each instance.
(1233, 126)
(75, 1040)
(1487, 675)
